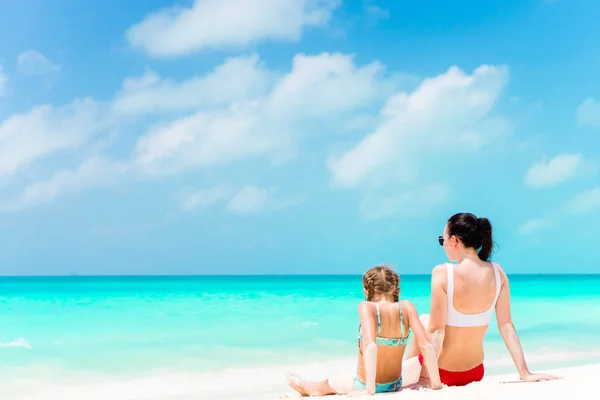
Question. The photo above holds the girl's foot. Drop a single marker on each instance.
(297, 384)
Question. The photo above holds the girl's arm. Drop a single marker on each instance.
(368, 346)
(427, 348)
(509, 334)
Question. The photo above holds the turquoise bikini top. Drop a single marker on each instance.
(384, 341)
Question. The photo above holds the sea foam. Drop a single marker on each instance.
(20, 342)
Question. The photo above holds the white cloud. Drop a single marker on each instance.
(559, 169)
(33, 62)
(585, 202)
(238, 79)
(322, 88)
(328, 85)
(26, 138)
(253, 199)
(93, 172)
(267, 117)
(208, 138)
(449, 111)
(3, 80)
(588, 113)
(376, 13)
(535, 225)
(248, 200)
(192, 200)
(412, 203)
(226, 23)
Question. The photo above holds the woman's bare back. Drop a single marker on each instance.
(474, 287)
(474, 290)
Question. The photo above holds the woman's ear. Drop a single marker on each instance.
(366, 293)
(454, 241)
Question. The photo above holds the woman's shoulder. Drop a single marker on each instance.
(501, 272)
(440, 269)
(439, 274)
(497, 265)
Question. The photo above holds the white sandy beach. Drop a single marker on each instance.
(578, 383)
(269, 384)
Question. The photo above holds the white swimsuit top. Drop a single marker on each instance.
(458, 319)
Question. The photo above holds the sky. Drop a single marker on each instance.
(296, 136)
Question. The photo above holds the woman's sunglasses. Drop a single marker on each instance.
(441, 240)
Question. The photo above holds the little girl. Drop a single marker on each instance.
(385, 325)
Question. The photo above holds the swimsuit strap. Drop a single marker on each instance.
(378, 323)
(378, 319)
(401, 321)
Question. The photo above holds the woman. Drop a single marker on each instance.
(463, 299)
(383, 333)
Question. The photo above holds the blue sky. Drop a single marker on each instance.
(295, 136)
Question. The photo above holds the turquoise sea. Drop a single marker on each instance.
(172, 337)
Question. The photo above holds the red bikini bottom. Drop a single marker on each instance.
(461, 378)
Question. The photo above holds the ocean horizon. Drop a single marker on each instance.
(74, 275)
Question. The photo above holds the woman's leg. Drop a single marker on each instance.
(320, 388)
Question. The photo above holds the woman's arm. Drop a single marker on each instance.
(368, 346)
(439, 308)
(509, 334)
(427, 348)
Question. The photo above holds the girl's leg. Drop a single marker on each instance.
(412, 371)
(319, 388)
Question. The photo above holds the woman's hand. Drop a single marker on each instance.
(433, 386)
(540, 377)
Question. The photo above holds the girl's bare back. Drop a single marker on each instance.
(389, 358)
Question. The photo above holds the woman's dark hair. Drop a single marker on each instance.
(473, 232)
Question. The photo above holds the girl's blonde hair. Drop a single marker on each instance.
(382, 280)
